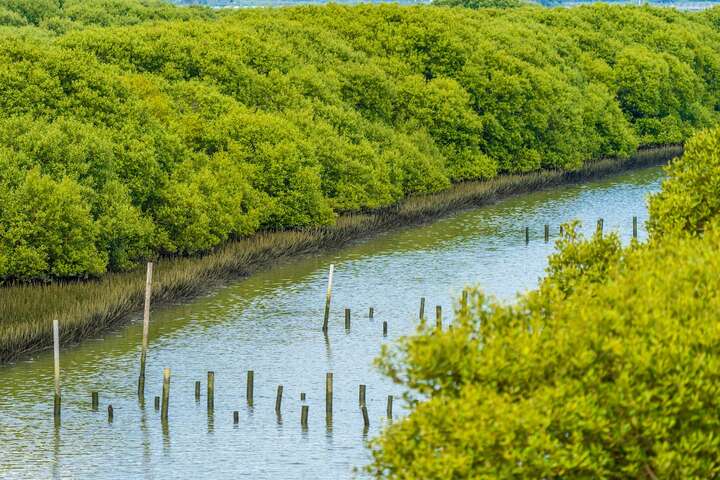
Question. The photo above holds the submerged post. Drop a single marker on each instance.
(527, 235)
(165, 394)
(347, 319)
(278, 399)
(600, 226)
(146, 328)
(547, 233)
(438, 317)
(95, 401)
(361, 395)
(304, 416)
(422, 307)
(210, 391)
(328, 396)
(366, 419)
(389, 406)
(250, 386)
(110, 413)
(371, 313)
(56, 356)
(328, 295)
(635, 230)
(385, 328)
(157, 403)
(197, 390)
(236, 417)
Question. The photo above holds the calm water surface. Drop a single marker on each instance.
(270, 324)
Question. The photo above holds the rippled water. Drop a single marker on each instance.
(270, 324)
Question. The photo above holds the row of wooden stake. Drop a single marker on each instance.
(599, 229)
(162, 402)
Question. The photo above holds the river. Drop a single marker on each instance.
(271, 323)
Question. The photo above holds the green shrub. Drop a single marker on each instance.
(610, 369)
(317, 111)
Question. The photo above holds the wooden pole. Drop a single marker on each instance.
(95, 401)
(366, 419)
(146, 329)
(371, 313)
(347, 319)
(278, 399)
(56, 356)
(389, 406)
(422, 307)
(361, 395)
(110, 413)
(635, 229)
(527, 235)
(210, 391)
(165, 394)
(250, 386)
(197, 390)
(304, 416)
(302, 396)
(236, 417)
(438, 317)
(157, 403)
(328, 395)
(600, 226)
(547, 233)
(328, 296)
(385, 329)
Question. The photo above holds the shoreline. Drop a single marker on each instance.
(86, 309)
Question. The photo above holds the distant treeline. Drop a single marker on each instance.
(130, 129)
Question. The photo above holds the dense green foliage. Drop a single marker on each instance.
(171, 130)
(611, 369)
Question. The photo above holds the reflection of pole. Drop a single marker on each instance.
(328, 295)
(56, 354)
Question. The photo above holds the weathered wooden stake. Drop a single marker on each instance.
(328, 296)
(422, 307)
(635, 229)
(385, 328)
(547, 233)
(211, 391)
(236, 417)
(250, 387)
(366, 420)
(165, 394)
(389, 406)
(302, 396)
(56, 355)
(328, 395)
(371, 313)
(157, 403)
(600, 226)
(361, 395)
(197, 390)
(438, 317)
(146, 329)
(278, 399)
(347, 319)
(95, 401)
(304, 416)
(110, 413)
(527, 235)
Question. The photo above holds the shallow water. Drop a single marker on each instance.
(270, 323)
